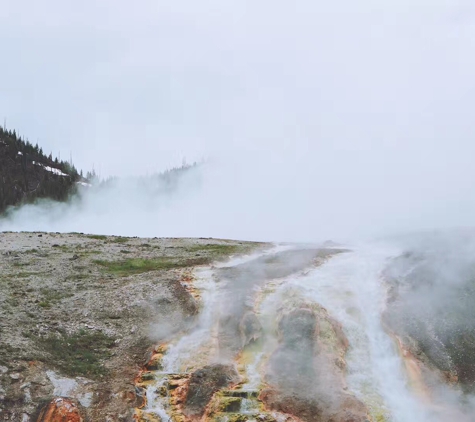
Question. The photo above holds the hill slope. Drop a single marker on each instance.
(26, 173)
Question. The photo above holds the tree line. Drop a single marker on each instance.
(24, 176)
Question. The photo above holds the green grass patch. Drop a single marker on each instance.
(24, 274)
(21, 264)
(6, 353)
(97, 236)
(63, 248)
(79, 354)
(12, 301)
(30, 251)
(77, 277)
(120, 239)
(219, 250)
(139, 265)
(54, 295)
(215, 248)
(86, 253)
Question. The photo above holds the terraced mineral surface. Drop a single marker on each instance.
(98, 328)
(260, 351)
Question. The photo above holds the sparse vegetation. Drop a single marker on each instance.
(54, 295)
(79, 354)
(31, 251)
(203, 254)
(21, 264)
(219, 250)
(63, 248)
(24, 274)
(6, 352)
(96, 236)
(77, 277)
(120, 239)
(139, 265)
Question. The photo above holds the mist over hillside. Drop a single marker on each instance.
(94, 205)
(259, 197)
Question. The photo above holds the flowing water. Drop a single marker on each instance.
(350, 287)
(198, 347)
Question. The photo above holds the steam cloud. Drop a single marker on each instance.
(333, 120)
(255, 200)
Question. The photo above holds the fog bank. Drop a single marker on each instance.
(336, 120)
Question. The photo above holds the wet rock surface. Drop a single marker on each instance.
(61, 410)
(304, 375)
(202, 386)
(236, 324)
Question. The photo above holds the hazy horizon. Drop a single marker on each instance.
(337, 120)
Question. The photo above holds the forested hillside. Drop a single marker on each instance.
(26, 173)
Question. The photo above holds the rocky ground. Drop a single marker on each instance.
(103, 328)
(79, 315)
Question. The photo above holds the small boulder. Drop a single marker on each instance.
(61, 410)
(203, 384)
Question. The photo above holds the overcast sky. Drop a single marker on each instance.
(361, 104)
